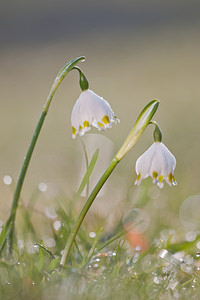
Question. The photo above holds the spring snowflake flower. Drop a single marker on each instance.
(157, 162)
(91, 109)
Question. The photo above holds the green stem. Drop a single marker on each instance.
(112, 239)
(85, 209)
(11, 220)
(87, 164)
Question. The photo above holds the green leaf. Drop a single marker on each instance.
(88, 173)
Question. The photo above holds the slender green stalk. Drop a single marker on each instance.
(112, 239)
(11, 220)
(85, 209)
(87, 164)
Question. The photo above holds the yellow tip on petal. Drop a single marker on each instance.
(86, 124)
(155, 174)
(80, 127)
(73, 130)
(174, 180)
(170, 178)
(105, 120)
(138, 179)
(100, 124)
(160, 178)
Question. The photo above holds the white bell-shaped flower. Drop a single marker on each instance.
(91, 109)
(157, 162)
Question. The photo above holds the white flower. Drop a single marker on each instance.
(91, 109)
(157, 162)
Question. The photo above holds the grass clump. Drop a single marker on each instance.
(102, 265)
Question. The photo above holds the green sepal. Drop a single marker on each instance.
(84, 85)
(157, 134)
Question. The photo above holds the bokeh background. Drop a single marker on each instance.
(135, 51)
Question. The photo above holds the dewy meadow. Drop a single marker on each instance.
(123, 262)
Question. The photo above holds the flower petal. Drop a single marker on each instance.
(91, 109)
(144, 162)
(157, 162)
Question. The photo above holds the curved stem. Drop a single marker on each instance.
(85, 209)
(11, 220)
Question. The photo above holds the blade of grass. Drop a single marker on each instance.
(112, 239)
(92, 249)
(88, 173)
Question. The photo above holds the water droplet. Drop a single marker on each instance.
(179, 256)
(156, 280)
(138, 248)
(98, 259)
(92, 235)
(174, 259)
(186, 268)
(50, 212)
(57, 225)
(163, 253)
(42, 187)
(7, 179)
(188, 259)
(198, 253)
(191, 236)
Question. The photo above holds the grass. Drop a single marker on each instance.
(102, 265)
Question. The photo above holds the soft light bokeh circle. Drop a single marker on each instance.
(189, 213)
(136, 219)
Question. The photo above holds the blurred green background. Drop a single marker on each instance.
(135, 51)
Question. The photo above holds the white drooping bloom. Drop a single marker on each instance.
(91, 109)
(157, 162)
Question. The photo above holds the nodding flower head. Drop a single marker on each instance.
(157, 162)
(91, 109)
